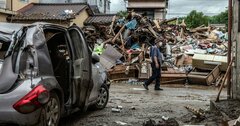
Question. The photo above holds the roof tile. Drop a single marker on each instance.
(52, 11)
(101, 18)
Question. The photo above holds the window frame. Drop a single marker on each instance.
(100, 3)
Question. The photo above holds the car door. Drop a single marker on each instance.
(81, 67)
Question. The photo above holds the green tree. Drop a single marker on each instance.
(221, 18)
(122, 13)
(195, 19)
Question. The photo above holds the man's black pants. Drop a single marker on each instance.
(156, 74)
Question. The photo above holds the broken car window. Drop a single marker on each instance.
(78, 44)
(3, 49)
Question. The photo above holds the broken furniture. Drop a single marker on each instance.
(122, 72)
(173, 76)
(209, 61)
(144, 70)
(203, 76)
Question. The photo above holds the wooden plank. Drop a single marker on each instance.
(111, 26)
(213, 75)
(118, 34)
(219, 80)
(152, 31)
(174, 75)
(224, 79)
(157, 24)
(199, 73)
(176, 81)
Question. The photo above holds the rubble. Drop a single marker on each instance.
(133, 108)
(237, 122)
(116, 110)
(199, 113)
(164, 121)
(121, 123)
(124, 48)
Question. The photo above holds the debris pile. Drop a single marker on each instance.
(124, 48)
(199, 113)
(164, 121)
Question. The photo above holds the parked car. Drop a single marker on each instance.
(47, 71)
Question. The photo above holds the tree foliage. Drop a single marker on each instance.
(195, 19)
(122, 13)
(221, 18)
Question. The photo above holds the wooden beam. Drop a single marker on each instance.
(224, 79)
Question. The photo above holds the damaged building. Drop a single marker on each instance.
(59, 13)
(154, 9)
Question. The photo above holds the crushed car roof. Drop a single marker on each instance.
(8, 29)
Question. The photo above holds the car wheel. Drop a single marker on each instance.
(103, 97)
(51, 112)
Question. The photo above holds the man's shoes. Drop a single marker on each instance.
(158, 89)
(145, 86)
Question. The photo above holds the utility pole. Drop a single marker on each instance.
(229, 46)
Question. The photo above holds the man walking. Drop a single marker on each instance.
(156, 58)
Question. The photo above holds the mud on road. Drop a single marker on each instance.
(139, 105)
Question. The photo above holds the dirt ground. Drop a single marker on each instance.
(139, 105)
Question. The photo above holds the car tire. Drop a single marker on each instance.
(51, 112)
(103, 97)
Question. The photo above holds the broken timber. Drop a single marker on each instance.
(224, 79)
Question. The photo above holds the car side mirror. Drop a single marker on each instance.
(95, 58)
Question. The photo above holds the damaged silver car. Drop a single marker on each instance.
(47, 71)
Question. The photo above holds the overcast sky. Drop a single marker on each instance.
(178, 8)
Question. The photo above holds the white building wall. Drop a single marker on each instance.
(92, 2)
(99, 3)
(159, 14)
(2, 3)
(53, 1)
(78, 1)
(146, 4)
